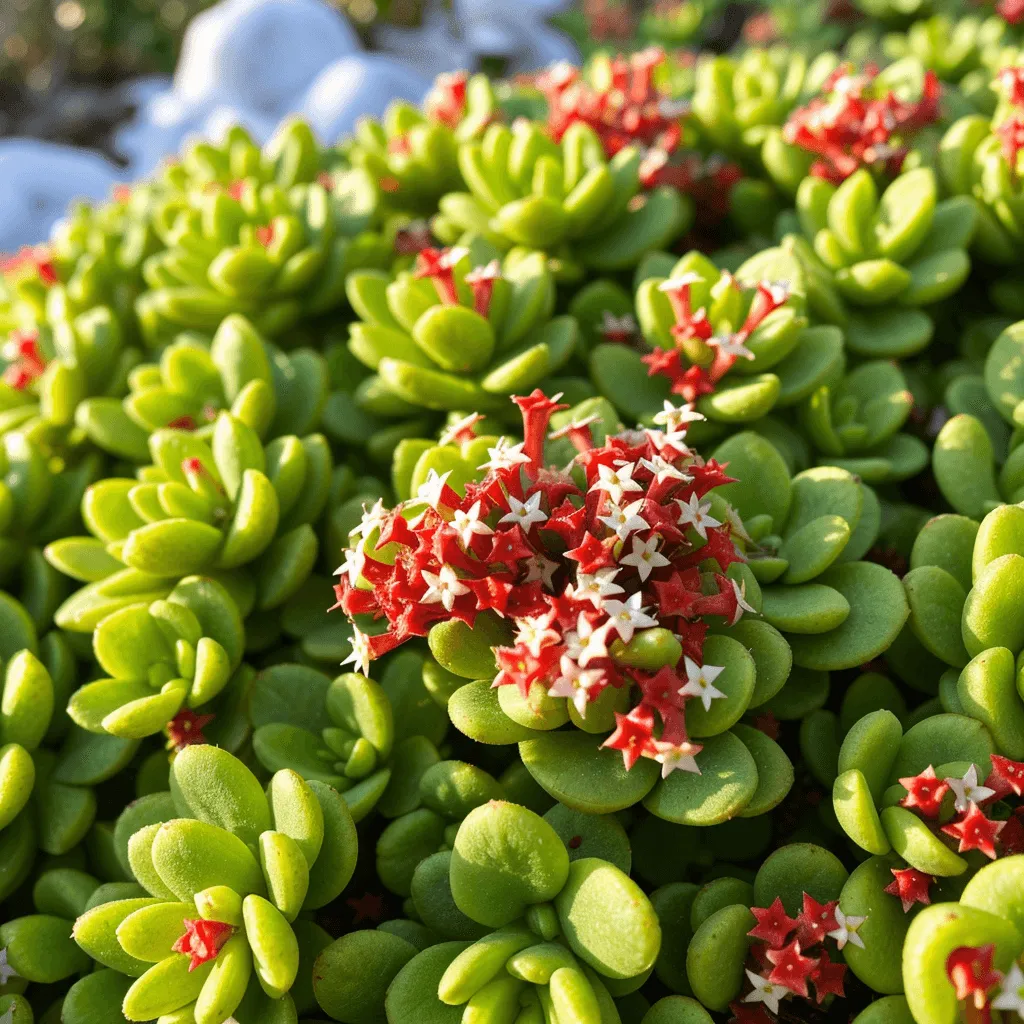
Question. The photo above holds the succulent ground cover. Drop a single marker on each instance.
(555, 558)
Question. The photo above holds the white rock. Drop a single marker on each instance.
(431, 49)
(363, 84)
(39, 180)
(260, 55)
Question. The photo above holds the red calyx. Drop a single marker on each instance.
(910, 886)
(975, 831)
(792, 970)
(26, 362)
(970, 970)
(202, 940)
(185, 729)
(924, 792)
(774, 925)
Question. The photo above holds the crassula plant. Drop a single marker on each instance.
(218, 936)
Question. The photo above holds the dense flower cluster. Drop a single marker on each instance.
(1010, 129)
(701, 357)
(981, 986)
(580, 562)
(853, 123)
(792, 953)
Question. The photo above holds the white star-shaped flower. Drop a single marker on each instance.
(353, 564)
(469, 525)
(625, 617)
(373, 519)
(451, 434)
(535, 633)
(6, 970)
(359, 656)
(778, 290)
(673, 284)
(664, 470)
(765, 991)
(645, 557)
(452, 256)
(443, 587)
(618, 326)
(624, 521)
(700, 682)
(740, 590)
(540, 568)
(675, 418)
(596, 587)
(616, 481)
(575, 683)
(432, 488)
(847, 930)
(695, 513)
(587, 643)
(505, 456)
(485, 272)
(676, 757)
(967, 789)
(525, 513)
(731, 345)
(1011, 992)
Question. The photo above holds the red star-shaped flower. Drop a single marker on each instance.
(202, 940)
(186, 728)
(773, 924)
(632, 734)
(970, 970)
(910, 886)
(816, 920)
(924, 792)
(975, 831)
(1006, 777)
(828, 978)
(1011, 839)
(792, 970)
(592, 555)
(368, 907)
(748, 1013)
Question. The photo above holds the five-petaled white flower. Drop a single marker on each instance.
(676, 417)
(616, 481)
(675, 757)
(596, 587)
(452, 256)
(625, 617)
(432, 488)
(586, 643)
(765, 991)
(505, 456)
(624, 521)
(373, 519)
(645, 557)
(359, 656)
(673, 284)
(695, 513)
(540, 568)
(613, 326)
(468, 524)
(847, 930)
(968, 791)
(353, 564)
(700, 682)
(742, 605)
(575, 683)
(664, 470)
(731, 345)
(6, 970)
(535, 633)
(1011, 992)
(443, 587)
(525, 513)
(451, 434)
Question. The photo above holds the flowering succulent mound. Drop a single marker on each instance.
(227, 881)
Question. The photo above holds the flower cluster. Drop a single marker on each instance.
(854, 124)
(701, 357)
(1010, 129)
(581, 562)
(185, 729)
(781, 967)
(30, 261)
(446, 101)
(708, 180)
(630, 111)
(438, 265)
(25, 362)
(1000, 832)
(981, 986)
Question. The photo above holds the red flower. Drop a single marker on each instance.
(446, 101)
(202, 940)
(816, 920)
(773, 924)
(1011, 11)
(369, 907)
(25, 361)
(924, 792)
(265, 235)
(748, 1013)
(910, 886)
(970, 970)
(828, 978)
(1011, 135)
(481, 282)
(768, 724)
(185, 729)
(633, 733)
(1011, 838)
(792, 970)
(1006, 776)
(975, 831)
(439, 266)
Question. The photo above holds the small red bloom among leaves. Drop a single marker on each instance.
(368, 907)
(446, 101)
(910, 886)
(924, 792)
(792, 969)
(439, 266)
(25, 362)
(30, 261)
(854, 123)
(970, 970)
(1006, 777)
(185, 729)
(1011, 11)
(816, 920)
(202, 940)
(975, 831)
(748, 1013)
(828, 978)
(773, 924)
